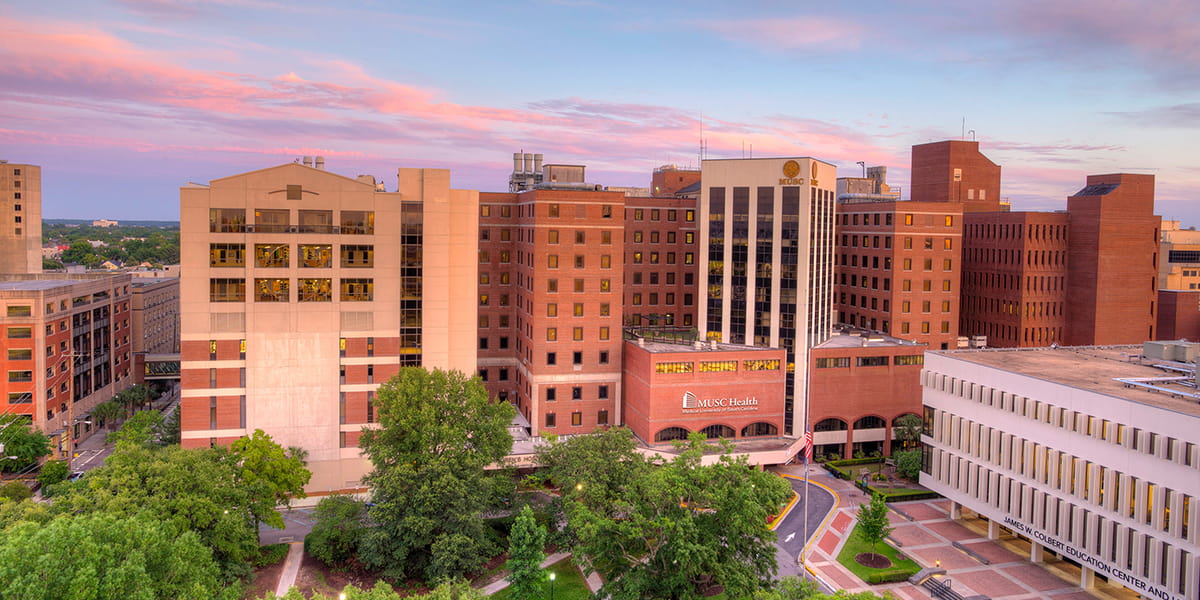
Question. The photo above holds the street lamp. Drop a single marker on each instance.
(552, 574)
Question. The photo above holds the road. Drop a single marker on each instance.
(792, 529)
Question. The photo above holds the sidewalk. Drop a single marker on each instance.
(996, 568)
(500, 584)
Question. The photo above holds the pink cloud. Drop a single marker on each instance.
(789, 34)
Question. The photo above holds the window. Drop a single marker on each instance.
(358, 222)
(577, 393)
(550, 420)
(948, 243)
(689, 258)
(483, 343)
(273, 256)
(551, 334)
(551, 359)
(363, 256)
(604, 333)
(551, 285)
(227, 220)
(577, 358)
(674, 367)
(271, 290)
(576, 419)
(20, 376)
(552, 310)
(871, 361)
(841, 362)
(226, 255)
(579, 286)
(20, 354)
(945, 285)
(604, 357)
(605, 285)
(552, 261)
(483, 300)
(909, 360)
(226, 290)
(602, 393)
(949, 221)
(315, 290)
(358, 290)
(605, 261)
(689, 216)
(579, 261)
(577, 334)
(602, 417)
(908, 219)
(606, 211)
(908, 243)
(605, 310)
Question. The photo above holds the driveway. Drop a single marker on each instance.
(792, 529)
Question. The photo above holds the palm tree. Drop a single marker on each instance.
(108, 412)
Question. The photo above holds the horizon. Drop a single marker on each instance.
(123, 102)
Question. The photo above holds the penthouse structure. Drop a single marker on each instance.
(1082, 454)
(767, 249)
(303, 290)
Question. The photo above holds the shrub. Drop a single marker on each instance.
(15, 491)
(338, 525)
(908, 463)
(54, 471)
(270, 555)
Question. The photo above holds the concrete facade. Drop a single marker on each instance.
(1179, 257)
(20, 218)
(766, 256)
(1048, 445)
(382, 280)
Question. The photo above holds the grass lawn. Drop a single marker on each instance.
(901, 568)
(568, 583)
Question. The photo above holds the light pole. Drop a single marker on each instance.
(552, 574)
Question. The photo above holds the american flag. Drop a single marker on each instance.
(808, 446)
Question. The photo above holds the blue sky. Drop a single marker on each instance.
(123, 102)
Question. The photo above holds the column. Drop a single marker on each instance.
(1087, 578)
(956, 511)
(1036, 554)
(993, 529)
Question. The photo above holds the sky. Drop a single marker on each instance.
(123, 101)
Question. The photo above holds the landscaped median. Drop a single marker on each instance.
(876, 476)
(897, 567)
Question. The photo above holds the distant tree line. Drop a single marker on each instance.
(155, 245)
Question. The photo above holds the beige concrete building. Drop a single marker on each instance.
(1087, 454)
(304, 290)
(20, 218)
(1179, 258)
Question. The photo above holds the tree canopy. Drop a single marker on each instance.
(669, 528)
(96, 557)
(20, 440)
(526, 544)
(873, 524)
(437, 431)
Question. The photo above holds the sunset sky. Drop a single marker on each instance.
(123, 102)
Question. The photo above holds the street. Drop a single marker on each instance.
(791, 530)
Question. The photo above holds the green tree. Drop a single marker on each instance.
(908, 463)
(108, 412)
(339, 524)
(873, 524)
(21, 441)
(15, 491)
(171, 431)
(197, 490)
(102, 557)
(437, 431)
(673, 527)
(138, 430)
(266, 466)
(526, 543)
(792, 588)
(80, 249)
(459, 590)
(53, 471)
(908, 430)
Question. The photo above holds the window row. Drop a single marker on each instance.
(577, 418)
(717, 431)
(716, 366)
(1168, 448)
(279, 220)
(279, 290)
(843, 362)
(577, 334)
(278, 256)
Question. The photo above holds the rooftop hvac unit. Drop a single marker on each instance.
(964, 341)
(979, 341)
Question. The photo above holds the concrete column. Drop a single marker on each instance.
(1036, 554)
(1087, 578)
(955, 511)
(993, 530)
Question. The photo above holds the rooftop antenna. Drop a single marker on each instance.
(964, 129)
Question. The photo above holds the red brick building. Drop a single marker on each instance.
(860, 383)
(669, 179)
(550, 294)
(1112, 267)
(898, 269)
(955, 171)
(660, 262)
(722, 390)
(1178, 315)
(1015, 277)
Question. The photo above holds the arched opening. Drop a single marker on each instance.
(830, 425)
(670, 434)
(759, 429)
(713, 432)
(871, 422)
